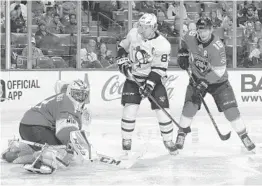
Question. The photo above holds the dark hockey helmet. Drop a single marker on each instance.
(204, 23)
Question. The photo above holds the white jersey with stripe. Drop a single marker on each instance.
(147, 55)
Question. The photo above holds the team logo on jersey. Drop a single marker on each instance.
(141, 56)
(162, 99)
(201, 63)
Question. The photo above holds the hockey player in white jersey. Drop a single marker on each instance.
(145, 54)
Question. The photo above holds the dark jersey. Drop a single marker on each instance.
(52, 109)
(208, 60)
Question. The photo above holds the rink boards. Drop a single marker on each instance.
(27, 88)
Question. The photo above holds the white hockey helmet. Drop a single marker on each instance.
(78, 91)
(147, 25)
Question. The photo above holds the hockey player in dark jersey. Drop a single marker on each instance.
(50, 122)
(204, 54)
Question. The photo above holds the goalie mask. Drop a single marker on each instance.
(147, 26)
(78, 92)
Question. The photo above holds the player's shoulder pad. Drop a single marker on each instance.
(161, 44)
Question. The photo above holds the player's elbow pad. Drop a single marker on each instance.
(121, 52)
(154, 77)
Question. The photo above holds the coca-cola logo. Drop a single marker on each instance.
(112, 88)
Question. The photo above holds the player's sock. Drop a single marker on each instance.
(166, 129)
(127, 127)
(246, 140)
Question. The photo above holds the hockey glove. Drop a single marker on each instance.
(147, 89)
(124, 65)
(183, 58)
(200, 87)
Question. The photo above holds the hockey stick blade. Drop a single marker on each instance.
(83, 148)
(224, 137)
(121, 163)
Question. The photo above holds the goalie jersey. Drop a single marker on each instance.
(208, 60)
(52, 109)
(147, 55)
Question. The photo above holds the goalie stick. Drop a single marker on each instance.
(83, 148)
(221, 136)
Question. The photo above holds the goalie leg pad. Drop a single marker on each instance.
(45, 161)
(18, 152)
(48, 157)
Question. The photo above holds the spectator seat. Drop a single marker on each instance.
(59, 62)
(21, 62)
(44, 62)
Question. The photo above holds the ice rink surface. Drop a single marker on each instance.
(205, 159)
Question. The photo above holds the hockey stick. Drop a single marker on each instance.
(221, 136)
(45, 145)
(83, 148)
(154, 100)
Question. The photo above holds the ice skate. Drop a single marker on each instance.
(126, 147)
(180, 139)
(247, 142)
(171, 147)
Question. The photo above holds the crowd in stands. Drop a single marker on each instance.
(54, 27)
